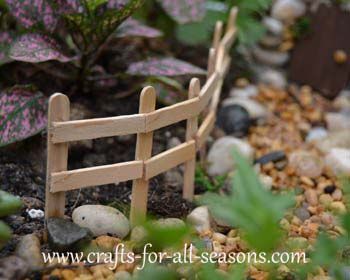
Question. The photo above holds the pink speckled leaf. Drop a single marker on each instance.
(163, 67)
(6, 39)
(29, 13)
(22, 114)
(35, 48)
(184, 11)
(117, 4)
(134, 28)
(69, 6)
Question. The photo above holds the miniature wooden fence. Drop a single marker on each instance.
(61, 131)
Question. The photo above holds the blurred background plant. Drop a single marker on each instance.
(9, 205)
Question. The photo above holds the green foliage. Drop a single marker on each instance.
(251, 208)
(210, 184)
(201, 32)
(9, 204)
(301, 27)
(250, 28)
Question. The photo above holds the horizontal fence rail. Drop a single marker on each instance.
(202, 101)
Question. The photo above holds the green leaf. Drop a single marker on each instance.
(200, 32)
(9, 204)
(5, 233)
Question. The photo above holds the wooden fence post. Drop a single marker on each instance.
(143, 152)
(57, 155)
(191, 130)
(231, 19)
(217, 34)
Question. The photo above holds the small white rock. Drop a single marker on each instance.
(273, 78)
(220, 154)
(266, 181)
(200, 218)
(339, 161)
(36, 213)
(101, 220)
(273, 25)
(173, 142)
(336, 139)
(246, 92)
(269, 57)
(342, 102)
(288, 10)
(337, 121)
(316, 133)
(255, 109)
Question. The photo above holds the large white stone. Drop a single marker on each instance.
(338, 121)
(316, 133)
(254, 108)
(101, 220)
(337, 139)
(273, 25)
(200, 218)
(270, 57)
(273, 78)
(246, 92)
(288, 10)
(338, 160)
(220, 154)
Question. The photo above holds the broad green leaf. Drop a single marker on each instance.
(9, 204)
(5, 233)
(201, 32)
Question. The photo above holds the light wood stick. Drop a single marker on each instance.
(172, 114)
(211, 62)
(57, 155)
(169, 159)
(232, 19)
(217, 34)
(96, 176)
(216, 97)
(97, 128)
(191, 130)
(205, 130)
(228, 39)
(207, 90)
(143, 152)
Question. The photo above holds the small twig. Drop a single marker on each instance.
(77, 199)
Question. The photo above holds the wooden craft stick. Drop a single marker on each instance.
(57, 155)
(205, 129)
(96, 176)
(232, 19)
(169, 159)
(191, 130)
(217, 34)
(172, 114)
(143, 152)
(97, 128)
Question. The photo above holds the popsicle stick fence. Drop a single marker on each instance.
(201, 101)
